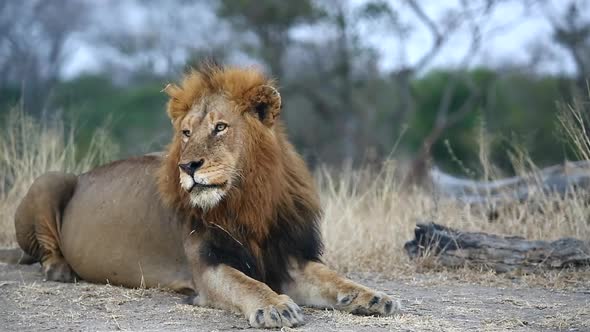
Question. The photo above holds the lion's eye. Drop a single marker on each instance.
(220, 127)
(186, 133)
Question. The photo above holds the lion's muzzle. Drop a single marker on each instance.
(192, 166)
(203, 192)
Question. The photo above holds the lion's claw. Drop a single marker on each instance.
(368, 303)
(284, 314)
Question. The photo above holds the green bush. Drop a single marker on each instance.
(134, 114)
(514, 110)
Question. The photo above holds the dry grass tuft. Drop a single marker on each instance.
(28, 149)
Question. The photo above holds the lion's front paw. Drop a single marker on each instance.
(284, 312)
(368, 303)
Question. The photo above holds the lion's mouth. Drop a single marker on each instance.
(207, 186)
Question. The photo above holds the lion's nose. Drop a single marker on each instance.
(190, 167)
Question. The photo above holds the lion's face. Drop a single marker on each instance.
(224, 124)
(211, 145)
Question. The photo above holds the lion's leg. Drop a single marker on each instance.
(315, 285)
(38, 223)
(224, 287)
(227, 288)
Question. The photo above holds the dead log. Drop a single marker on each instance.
(558, 179)
(453, 248)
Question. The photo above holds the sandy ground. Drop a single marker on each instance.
(430, 304)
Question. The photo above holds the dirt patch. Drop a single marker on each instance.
(431, 303)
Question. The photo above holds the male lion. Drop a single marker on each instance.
(229, 214)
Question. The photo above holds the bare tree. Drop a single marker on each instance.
(33, 39)
(160, 41)
(332, 72)
(469, 17)
(445, 119)
(271, 22)
(571, 30)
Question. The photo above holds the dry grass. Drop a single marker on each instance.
(369, 217)
(29, 149)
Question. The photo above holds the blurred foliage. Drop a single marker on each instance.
(134, 114)
(515, 111)
(523, 117)
(271, 21)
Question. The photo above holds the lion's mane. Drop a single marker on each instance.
(271, 216)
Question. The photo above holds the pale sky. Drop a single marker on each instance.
(509, 33)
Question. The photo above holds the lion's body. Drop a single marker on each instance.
(230, 212)
(116, 229)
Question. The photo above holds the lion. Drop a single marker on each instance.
(228, 215)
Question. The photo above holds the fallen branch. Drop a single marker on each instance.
(453, 248)
(559, 179)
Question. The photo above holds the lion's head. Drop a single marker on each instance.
(215, 114)
(227, 136)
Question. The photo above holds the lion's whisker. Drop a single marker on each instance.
(227, 232)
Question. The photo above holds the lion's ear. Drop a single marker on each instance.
(175, 107)
(265, 104)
